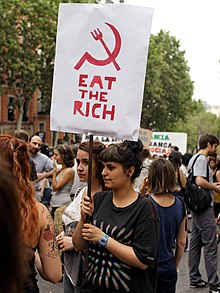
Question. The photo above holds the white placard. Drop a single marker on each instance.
(161, 142)
(100, 65)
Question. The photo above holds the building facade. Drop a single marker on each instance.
(34, 121)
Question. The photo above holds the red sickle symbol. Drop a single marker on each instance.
(111, 56)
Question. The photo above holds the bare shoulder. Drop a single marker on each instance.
(69, 173)
(44, 216)
(218, 175)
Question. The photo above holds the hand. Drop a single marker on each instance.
(87, 207)
(65, 243)
(54, 166)
(144, 186)
(217, 184)
(41, 176)
(92, 233)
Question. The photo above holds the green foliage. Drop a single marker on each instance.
(198, 122)
(168, 87)
(27, 46)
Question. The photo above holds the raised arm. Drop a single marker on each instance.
(47, 259)
(66, 177)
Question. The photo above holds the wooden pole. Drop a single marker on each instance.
(89, 188)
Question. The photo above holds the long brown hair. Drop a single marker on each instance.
(162, 177)
(11, 251)
(14, 152)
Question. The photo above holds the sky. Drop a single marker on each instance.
(196, 24)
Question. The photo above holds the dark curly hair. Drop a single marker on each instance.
(66, 154)
(127, 153)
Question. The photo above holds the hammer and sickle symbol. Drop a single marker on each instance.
(97, 35)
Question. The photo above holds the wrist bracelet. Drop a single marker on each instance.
(103, 241)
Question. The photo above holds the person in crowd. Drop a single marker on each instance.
(44, 149)
(71, 215)
(176, 160)
(155, 157)
(174, 148)
(77, 183)
(123, 233)
(216, 178)
(43, 165)
(204, 225)
(37, 227)
(185, 162)
(161, 184)
(144, 170)
(184, 169)
(62, 180)
(23, 135)
(12, 269)
(46, 190)
(212, 164)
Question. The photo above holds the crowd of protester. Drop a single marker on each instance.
(122, 230)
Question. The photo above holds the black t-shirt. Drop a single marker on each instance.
(136, 225)
(33, 175)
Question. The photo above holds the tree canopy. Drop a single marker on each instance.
(168, 86)
(27, 48)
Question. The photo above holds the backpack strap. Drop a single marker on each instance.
(207, 170)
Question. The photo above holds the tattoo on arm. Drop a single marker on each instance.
(50, 237)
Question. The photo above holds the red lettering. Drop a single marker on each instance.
(108, 112)
(82, 78)
(83, 93)
(102, 97)
(87, 109)
(96, 79)
(96, 111)
(110, 80)
(93, 95)
(95, 106)
(77, 107)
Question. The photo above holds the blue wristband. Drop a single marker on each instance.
(103, 241)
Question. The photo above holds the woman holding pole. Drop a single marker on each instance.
(123, 232)
(71, 215)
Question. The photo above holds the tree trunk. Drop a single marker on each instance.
(20, 113)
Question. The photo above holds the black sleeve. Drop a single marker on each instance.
(146, 235)
(33, 175)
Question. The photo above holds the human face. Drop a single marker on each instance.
(82, 160)
(212, 164)
(114, 175)
(34, 145)
(212, 149)
(57, 157)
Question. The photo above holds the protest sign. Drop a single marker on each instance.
(100, 64)
(104, 139)
(145, 136)
(161, 142)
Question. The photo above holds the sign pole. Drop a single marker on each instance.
(89, 188)
(90, 166)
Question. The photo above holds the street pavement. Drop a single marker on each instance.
(182, 284)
